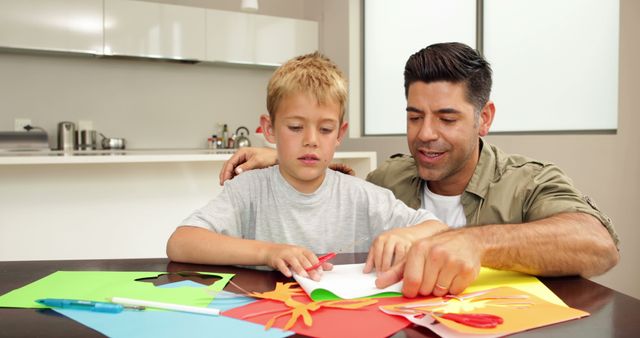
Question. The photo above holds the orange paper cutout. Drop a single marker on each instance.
(284, 292)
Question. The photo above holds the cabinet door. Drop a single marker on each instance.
(257, 39)
(55, 25)
(137, 28)
(230, 37)
(280, 39)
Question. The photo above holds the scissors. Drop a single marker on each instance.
(478, 320)
(321, 260)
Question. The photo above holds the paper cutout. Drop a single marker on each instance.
(158, 324)
(284, 293)
(520, 311)
(346, 281)
(368, 321)
(102, 285)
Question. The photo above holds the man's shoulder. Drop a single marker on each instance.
(398, 167)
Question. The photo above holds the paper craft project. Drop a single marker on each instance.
(346, 282)
(368, 321)
(495, 312)
(158, 324)
(102, 285)
(284, 293)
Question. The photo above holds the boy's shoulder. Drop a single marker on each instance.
(357, 183)
(250, 177)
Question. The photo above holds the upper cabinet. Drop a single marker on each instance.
(54, 25)
(136, 28)
(154, 30)
(257, 39)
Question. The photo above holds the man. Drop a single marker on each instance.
(505, 211)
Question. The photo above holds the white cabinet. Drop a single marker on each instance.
(55, 25)
(257, 39)
(136, 28)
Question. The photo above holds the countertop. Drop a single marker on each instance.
(137, 156)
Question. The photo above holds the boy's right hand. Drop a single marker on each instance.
(290, 258)
(246, 159)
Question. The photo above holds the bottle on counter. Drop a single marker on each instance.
(225, 136)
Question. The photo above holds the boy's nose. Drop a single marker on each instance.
(310, 139)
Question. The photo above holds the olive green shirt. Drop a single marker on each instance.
(504, 189)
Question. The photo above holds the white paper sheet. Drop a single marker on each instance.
(347, 282)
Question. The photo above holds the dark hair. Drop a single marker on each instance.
(453, 62)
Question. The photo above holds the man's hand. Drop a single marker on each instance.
(246, 159)
(291, 258)
(445, 263)
(343, 168)
(388, 248)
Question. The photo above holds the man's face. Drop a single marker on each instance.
(443, 132)
(306, 135)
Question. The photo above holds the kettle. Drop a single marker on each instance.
(242, 140)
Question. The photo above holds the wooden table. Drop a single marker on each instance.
(613, 314)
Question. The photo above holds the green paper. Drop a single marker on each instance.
(102, 285)
(324, 294)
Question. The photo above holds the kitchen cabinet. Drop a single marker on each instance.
(244, 38)
(137, 28)
(52, 25)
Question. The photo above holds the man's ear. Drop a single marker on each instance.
(486, 118)
(342, 132)
(267, 128)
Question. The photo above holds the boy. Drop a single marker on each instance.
(281, 215)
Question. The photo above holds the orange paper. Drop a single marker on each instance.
(520, 310)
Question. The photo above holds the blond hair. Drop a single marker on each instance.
(313, 74)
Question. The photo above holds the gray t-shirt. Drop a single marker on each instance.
(343, 215)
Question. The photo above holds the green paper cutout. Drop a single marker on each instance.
(324, 294)
(102, 285)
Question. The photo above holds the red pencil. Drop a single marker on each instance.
(321, 260)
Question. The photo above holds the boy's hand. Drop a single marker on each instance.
(388, 248)
(290, 258)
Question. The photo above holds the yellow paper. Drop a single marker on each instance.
(491, 279)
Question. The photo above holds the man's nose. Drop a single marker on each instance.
(428, 131)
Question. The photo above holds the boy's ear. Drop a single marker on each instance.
(343, 131)
(267, 128)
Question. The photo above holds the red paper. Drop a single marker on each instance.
(327, 322)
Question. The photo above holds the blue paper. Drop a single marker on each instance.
(132, 323)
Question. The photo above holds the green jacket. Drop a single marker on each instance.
(504, 189)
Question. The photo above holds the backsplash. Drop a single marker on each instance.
(152, 104)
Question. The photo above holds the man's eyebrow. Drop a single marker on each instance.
(448, 111)
(414, 110)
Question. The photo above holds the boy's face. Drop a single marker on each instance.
(306, 135)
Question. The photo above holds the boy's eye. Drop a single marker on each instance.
(326, 130)
(295, 128)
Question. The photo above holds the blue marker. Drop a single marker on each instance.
(82, 305)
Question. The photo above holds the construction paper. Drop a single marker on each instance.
(519, 310)
(159, 324)
(223, 300)
(328, 322)
(168, 324)
(102, 285)
(346, 281)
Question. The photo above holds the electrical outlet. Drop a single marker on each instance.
(20, 123)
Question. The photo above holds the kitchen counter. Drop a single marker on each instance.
(109, 204)
(142, 156)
